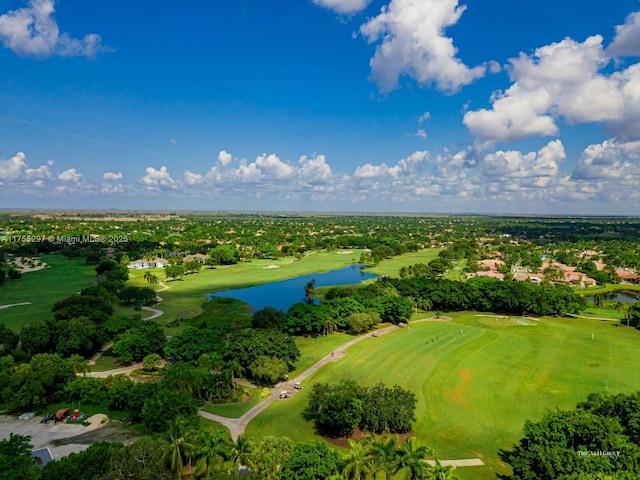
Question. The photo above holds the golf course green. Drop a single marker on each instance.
(477, 379)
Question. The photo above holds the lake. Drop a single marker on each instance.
(626, 296)
(283, 294)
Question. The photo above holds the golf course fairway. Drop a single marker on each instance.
(477, 379)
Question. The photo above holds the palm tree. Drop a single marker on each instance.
(358, 463)
(412, 459)
(178, 445)
(124, 260)
(151, 278)
(241, 453)
(211, 452)
(441, 472)
(80, 364)
(235, 368)
(384, 455)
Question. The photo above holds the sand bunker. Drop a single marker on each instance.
(268, 267)
(25, 265)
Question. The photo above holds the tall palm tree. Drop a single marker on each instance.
(236, 369)
(151, 278)
(212, 449)
(384, 455)
(80, 364)
(242, 453)
(358, 464)
(178, 445)
(412, 459)
(441, 472)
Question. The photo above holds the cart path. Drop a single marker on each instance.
(2, 307)
(155, 312)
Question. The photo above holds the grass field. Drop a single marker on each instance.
(236, 410)
(43, 288)
(476, 390)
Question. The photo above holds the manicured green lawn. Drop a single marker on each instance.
(43, 288)
(106, 361)
(313, 349)
(476, 390)
(236, 410)
(392, 266)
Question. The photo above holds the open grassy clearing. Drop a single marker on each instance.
(392, 266)
(43, 288)
(184, 297)
(236, 410)
(476, 390)
(313, 349)
(106, 361)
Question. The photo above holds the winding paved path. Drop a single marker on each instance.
(2, 307)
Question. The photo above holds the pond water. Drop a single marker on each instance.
(626, 296)
(283, 294)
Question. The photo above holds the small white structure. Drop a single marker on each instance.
(155, 263)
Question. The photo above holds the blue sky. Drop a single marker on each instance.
(321, 105)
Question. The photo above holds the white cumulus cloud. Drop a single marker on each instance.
(627, 39)
(12, 168)
(414, 44)
(155, 178)
(343, 6)
(224, 158)
(563, 79)
(33, 31)
(70, 175)
(112, 176)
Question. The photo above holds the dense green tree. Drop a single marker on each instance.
(174, 271)
(267, 370)
(151, 362)
(389, 409)
(336, 408)
(15, 458)
(8, 339)
(94, 308)
(141, 460)
(138, 296)
(190, 344)
(268, 317)
(90, 464)
(393, 309)
(224, 255)
(310, 461)
(140, 341)
(164, 406)
(561, 445)
(271, 454)
(248, 345)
